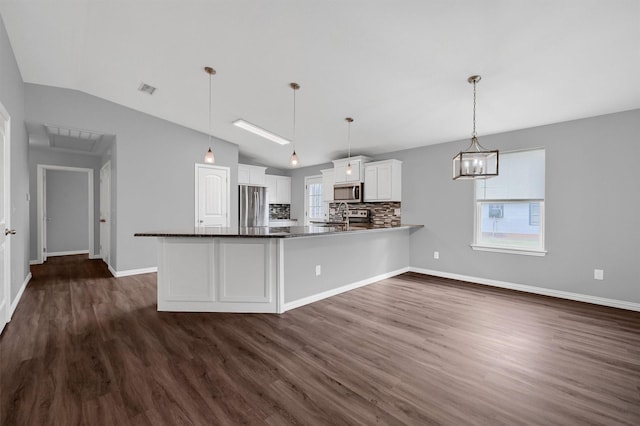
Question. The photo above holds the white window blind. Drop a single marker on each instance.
(521, 177)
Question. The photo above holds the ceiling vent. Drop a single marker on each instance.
(144, 87)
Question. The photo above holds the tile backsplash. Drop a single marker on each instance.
(385, 214)
(279, 211)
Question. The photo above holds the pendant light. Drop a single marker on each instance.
(294, 156)
(476, 162)
(208, 157)
(349, 120)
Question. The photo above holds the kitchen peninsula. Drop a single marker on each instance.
(272, 270)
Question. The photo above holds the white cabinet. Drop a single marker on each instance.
(279, 189)
(383, 181)
(327, 184)
(251, 175)
(357, 167)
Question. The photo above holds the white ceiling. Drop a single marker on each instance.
(398, 67)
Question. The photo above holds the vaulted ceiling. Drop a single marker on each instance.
(398, 67)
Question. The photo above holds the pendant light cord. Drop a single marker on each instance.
(209, 110)
(349, 138)
(474, 110)
(294, 119)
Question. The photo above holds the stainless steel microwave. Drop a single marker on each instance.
(348, 192)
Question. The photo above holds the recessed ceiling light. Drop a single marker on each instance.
(261, 132)
(144, 87)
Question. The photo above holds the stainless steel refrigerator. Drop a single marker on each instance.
(254, 206)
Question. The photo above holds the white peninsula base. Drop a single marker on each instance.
(274, 274)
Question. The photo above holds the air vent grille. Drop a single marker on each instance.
(144, 87)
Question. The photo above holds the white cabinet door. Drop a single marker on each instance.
(272, 188)
(244, 175)
(212, 195)
(370, 183)
(384, 182)
(327, 184)
(283, 189)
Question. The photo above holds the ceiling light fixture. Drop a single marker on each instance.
(261, 132)
(476, 162)
(349, 120)
(208, 157)
(294, 156)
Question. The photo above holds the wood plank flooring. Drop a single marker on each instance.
(85, 348)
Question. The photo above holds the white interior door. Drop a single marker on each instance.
(105, 212)
(313, 205)
(5, 231)
(212, 196)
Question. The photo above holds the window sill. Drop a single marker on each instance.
(524, 252)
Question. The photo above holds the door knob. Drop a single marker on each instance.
(8, 231)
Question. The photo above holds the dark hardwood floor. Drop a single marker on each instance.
(85, 348)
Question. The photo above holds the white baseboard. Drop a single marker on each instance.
(14, 305)
(35, 262)
(95, 256)
(126, 273)
(614, 303)
(67, 253)
(310, 299)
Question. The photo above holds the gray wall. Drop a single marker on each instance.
(592, 205)
(67, 211)
(53, 158)
(154, 171)
(13, 98)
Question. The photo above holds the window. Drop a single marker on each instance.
(509, 214)
(313, 198)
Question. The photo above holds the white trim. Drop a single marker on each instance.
(40, 168)
(94, 256)
(614, 303)
(128, 272)
(523, 252)
(329, 293)
(14, 304)
(5, 118)
(35, 262)
(67, 253)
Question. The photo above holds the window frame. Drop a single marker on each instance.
(502, 248)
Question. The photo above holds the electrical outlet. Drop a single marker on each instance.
(318, 270)
(436, 255)
(598, 274)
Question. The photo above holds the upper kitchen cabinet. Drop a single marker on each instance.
(279, 189)
(357, 167)
(383, 181)
(327, 184)
(251, 175)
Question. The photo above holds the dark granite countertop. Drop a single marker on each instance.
(273, 232)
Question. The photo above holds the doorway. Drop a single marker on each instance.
(5, 222)
(313, 207)
(43, 215)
